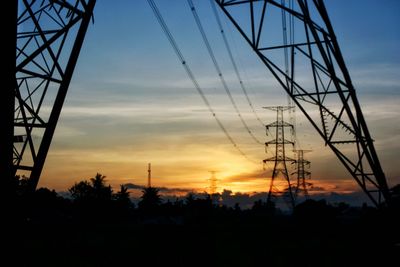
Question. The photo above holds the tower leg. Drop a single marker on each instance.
(7, 98)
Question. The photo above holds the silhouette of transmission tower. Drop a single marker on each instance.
(213, 183)
(302, 167)
(280, 158)
(43, 46)
(309, 47)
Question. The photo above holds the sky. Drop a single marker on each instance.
(130, 101)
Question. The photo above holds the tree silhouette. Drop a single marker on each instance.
(122, 197)
(237, 207)
(46, 203)
(314, 210)
(101, 191)
(94, 191)
(80, 191)
(95, 198)
(198, 207)
(189, 200)
(150, 200)
(261, 206)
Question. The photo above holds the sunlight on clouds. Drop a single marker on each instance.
(65, 131)
(188, 166)
(376, 76)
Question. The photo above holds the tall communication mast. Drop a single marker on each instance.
(320, 86)
(280, 159)
(149, 176)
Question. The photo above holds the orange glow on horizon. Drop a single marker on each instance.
(185, 168)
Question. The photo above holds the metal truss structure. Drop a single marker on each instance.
(213, 183)
(49, 36)
(309, 66)
(280, 159)
(302, 173)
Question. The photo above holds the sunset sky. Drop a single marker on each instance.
(130, 101)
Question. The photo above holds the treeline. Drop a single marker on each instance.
(97, 226)
(94, 199)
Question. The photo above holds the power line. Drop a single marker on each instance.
(289, 73)
(218, 70)
(189, 72)
(228, 48)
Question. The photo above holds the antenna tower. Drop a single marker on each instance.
(149, 176)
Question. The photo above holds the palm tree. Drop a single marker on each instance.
(100, 190)
(98, 181)
(94, 191)
(122, 197)
(150, 200)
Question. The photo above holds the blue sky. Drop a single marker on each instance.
(130, 101)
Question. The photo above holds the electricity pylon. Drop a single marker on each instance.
(213, 183)
(321, 85)
(280, 159)
(302, 172)
(48, 37)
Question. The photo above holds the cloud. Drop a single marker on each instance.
(163, 190)
(249, 176)
(356, 198)
(133, 186)
(316, 188)
(167, 190)
(378, 75)
(246, 200)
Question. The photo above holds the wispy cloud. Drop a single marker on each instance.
(163, 190)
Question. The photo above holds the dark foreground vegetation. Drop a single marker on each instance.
(98, 227)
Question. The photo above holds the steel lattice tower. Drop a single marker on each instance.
(48, 37)
(317, 79)
(213, 183)
(7, 96)
(280, 159)
(302, 173)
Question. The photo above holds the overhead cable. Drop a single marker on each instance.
(228, 48)
(219, 72)
(192, 77)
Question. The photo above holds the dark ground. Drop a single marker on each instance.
(235, 240)
(101, 228)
